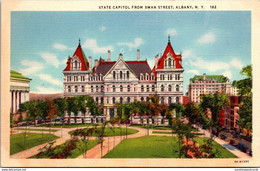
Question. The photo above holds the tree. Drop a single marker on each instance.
(193, 113)
(215, 103)
(245, 92)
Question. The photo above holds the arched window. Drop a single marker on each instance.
(82, 88)
(76, 88)
(92, 89)
(121, 88)
(170, 100)
(114, 100)
(169, 88)
(69, 89)
(121, 75)
(141, 76)
(177, 87)
(127, 74)
(162, 100)
(147, 77)
(96, 88)
(142, 88)
(114, 88)
(177, 100)
(152, 76)
(96, 99)
(153, 88)
(128, 88)
(102, 89)
(114, 75)
(169, 62)
(102, 100)
(162, 88)
(121, 99)
(142, 99)
(147, 88)
(128, 99)
(147, 99)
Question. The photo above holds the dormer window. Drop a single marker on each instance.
(152, 76)
(114, 75)
(147, 76)
(127, 74)
(101, 77)
(76, 64)
(141, 76)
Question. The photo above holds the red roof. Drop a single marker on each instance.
(177, 58)
(80, 54)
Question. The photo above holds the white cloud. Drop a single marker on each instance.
(227, 74)
(171, 32)
(31, 67)
(209, 65)
(187, 54)
(50, 58)
(45, 90)
(92, 45)
(60, 46)
(193, 71)
(236, 63)
(50, 79)
(103, 28)
(207, 38)
(137, 42)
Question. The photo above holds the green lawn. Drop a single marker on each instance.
(73, 153)
(66, 125)
(32, 140)
(223, 152)
(46, 130)
(161, 132)
(112, 132)
(146, 147)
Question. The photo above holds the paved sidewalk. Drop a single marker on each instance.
(225, 144)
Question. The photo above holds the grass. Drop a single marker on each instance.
(112, 132)
(66, 125)
(46, 130)
(158, 127)
(73, 153)
(160, 132)
(32, 140)
(224, 153)
(146, 147)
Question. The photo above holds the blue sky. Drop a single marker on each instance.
(210, 42)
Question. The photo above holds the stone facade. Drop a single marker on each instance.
(19, 90)
(111, 82)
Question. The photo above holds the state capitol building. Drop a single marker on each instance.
(111, 82)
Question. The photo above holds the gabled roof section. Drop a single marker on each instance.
(139, 67)
(169, 49)
(81, 55)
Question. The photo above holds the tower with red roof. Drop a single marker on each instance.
(112, 82)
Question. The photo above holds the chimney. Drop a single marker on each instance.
(156, 60)
(90, 62)
(96, 63)
(108, 56)
(138, 55)
(120, 56)
(204, 76)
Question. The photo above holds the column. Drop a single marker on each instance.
(18, 100)
(12, 99)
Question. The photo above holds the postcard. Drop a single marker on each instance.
(130, 83)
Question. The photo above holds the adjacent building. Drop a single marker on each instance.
(111, 82)
(19, 90)
(207, 84)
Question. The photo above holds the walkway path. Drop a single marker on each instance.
(225, 144)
